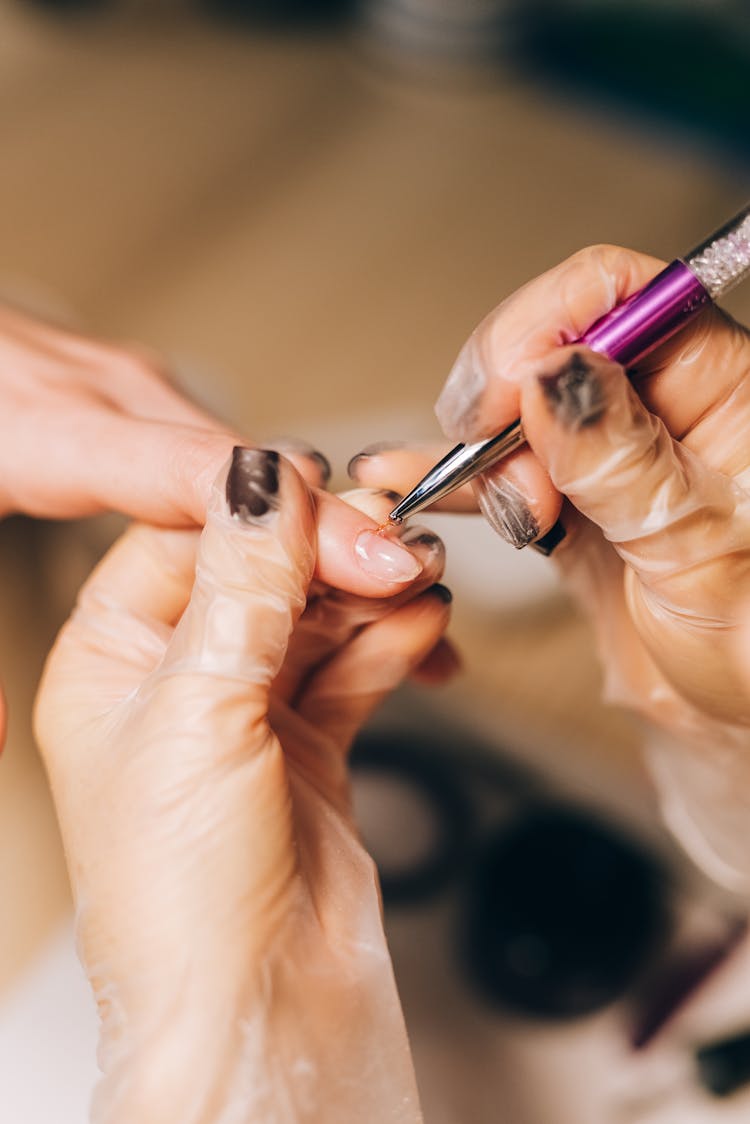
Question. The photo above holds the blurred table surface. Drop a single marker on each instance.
(306, 229)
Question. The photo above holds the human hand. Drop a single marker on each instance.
(658, 474)
(641, 490)
(87, 427)
(90, 427)
(194, 717)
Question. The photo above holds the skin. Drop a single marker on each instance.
(195, 716)
(665, 582)
(91, 427)
(88, 427)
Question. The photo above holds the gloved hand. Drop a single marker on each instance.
(194, 717)
(654, 535)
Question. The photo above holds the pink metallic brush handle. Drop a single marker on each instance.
(649, 317)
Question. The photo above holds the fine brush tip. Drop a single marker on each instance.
(389, 525)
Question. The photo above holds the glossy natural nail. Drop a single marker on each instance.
(506, 510)
(458, 408)
(385, 558)
(549, 542)
(574, 394)
(253, 483)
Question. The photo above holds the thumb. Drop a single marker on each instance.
(255, 560)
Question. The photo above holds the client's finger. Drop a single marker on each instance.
(345, 691)
(400, 467)
(171, 478)
(516, 498)
(440, 665)
(333, 616)
(255, 560)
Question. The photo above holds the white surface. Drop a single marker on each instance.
(48, 1035)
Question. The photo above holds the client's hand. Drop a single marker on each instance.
(654, 535)
(194, 716)
(87, 427)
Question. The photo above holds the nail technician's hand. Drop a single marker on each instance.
(195, 717)
(660, 472)
(655, 531)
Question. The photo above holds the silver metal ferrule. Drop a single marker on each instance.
(458, 466)
(723, 260)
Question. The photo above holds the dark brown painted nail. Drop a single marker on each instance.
(253, 483)
(505, 508)
(547, 543)
(305, 449)
(371, 451)
(420, 536)
(574, 394)
(442, 592)
(323, 462)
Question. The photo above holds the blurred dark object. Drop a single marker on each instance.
(71, 5)
(437, 785)
(456, 29)
(281, 13)
(674, 982)
(562, 913)
(449, 782)
(558, 913)
(724, 1067)
(686, 65)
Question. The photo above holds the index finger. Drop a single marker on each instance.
(482, 394)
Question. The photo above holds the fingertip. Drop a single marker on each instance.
(548, 543)
(440, 666)
(354, 558)
(312, 465)
(518, 499)
(442, 592)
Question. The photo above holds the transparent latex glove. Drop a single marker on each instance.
(194, 717)
(654, 536)
(87, 427)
